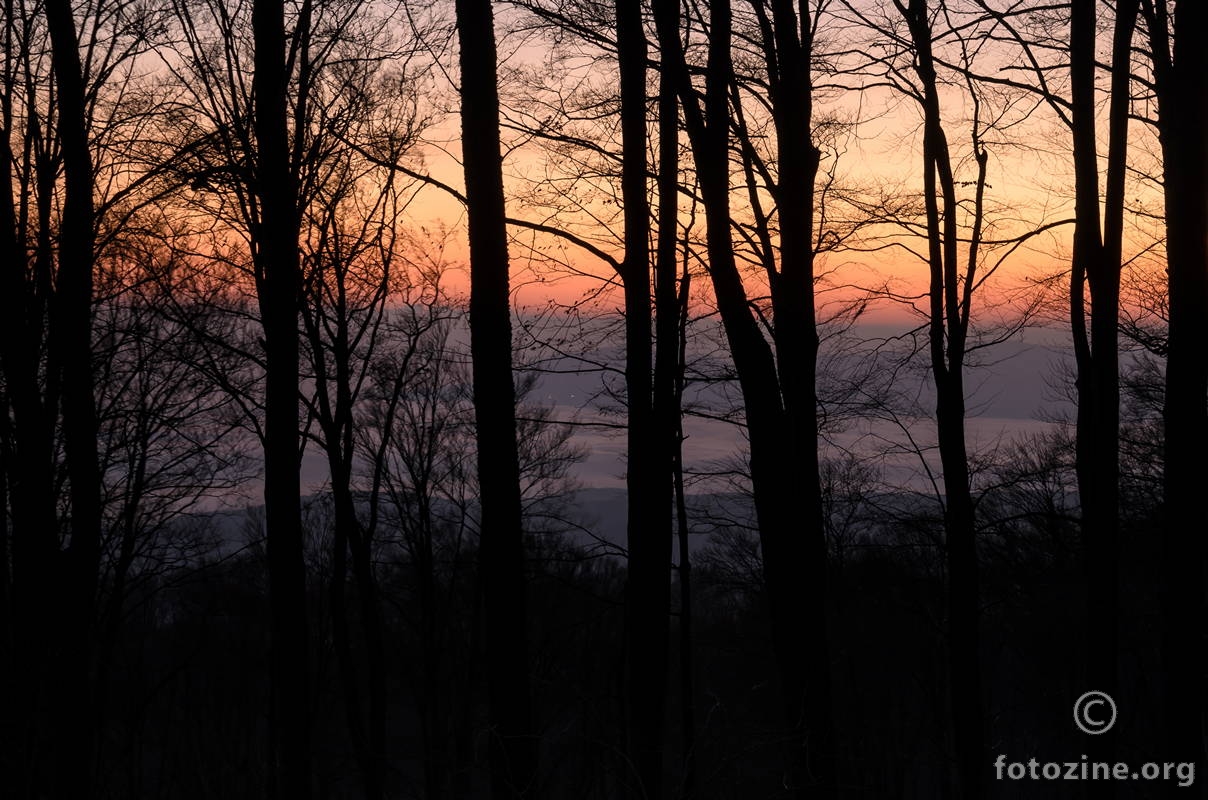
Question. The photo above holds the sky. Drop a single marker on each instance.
(871, 139)
(870, 135)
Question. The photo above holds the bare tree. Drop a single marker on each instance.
(780, 406)
(1180, 84)
(948, 331)
(171, 440)
(415, 428)
(343, 96)
(671, 318)
(1095, 270)
(1096, 265)
(501, 551)
(31, 405)
(278, 283)
(55, 129)
(352, 223)
(648, 485)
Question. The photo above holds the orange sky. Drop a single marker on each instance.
(1029, 184)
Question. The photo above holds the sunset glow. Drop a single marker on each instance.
(603, 399)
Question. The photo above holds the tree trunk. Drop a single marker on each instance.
(501, 548)
(947, 331)
(1182, 89)
(780, 480)
(796, 340)
(30, 470)
(1096, 265)
(278, 286)
(341, 635)
(71, 338)
(671, 312)
(373, 628)
(336, 422)
(647, 588)
(687, 661)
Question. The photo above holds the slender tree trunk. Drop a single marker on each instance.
(1096, 265)
(436, 744)
(1182, 89)
(964, 666)
(648, 589)
(366, 725)
(501, 549)
(12, 284)
(6, 596)
(278, 286)
(687, 661)
(373, 628)
(71, 338)
(796, 341)
(368, 739)
(670, 351)
(947, 332)
(341, 635)
(30, 470)
(780, 481)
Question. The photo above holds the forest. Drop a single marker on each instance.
(637, 399)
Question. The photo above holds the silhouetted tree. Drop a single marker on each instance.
(49, 243)
(352, 227)
(780, 406)
(648, 585)
(950, 296)
(415, 427)
(170, 441)
(501, 549)
(671, 318)
(340, 93)
(278, 283)
(1096, 265)
(31, 404)
(1095, 269)
(1180, 86)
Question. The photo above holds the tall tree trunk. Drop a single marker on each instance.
(370, 737)
(366, 724)
(373, 629)
(1181, 79)
(671, 312)
(278, 286)
(796, 340)
(501, 549)
(686, 659)
(1096, 265)
(779, 480)
(29, 467)
(647, 588)
(368, 732)
(947, 332)
(71, 338)
(341, 634)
